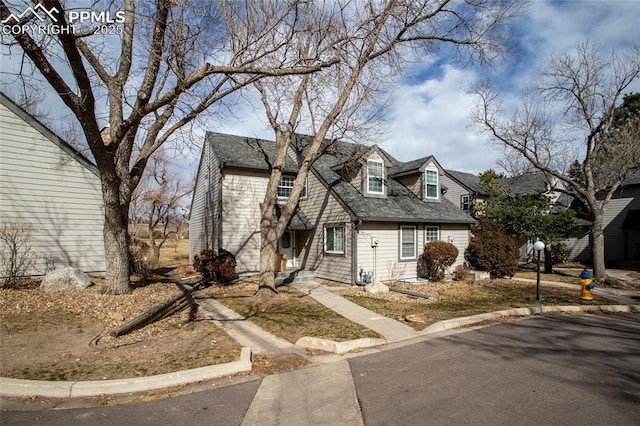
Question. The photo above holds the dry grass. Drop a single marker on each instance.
(458, 299)
(290, 315)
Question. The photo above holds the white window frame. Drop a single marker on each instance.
(402, 242)
(426, 235)
(370, 177)
(426, 184)
(289, 186)
(468, 197)
(332, 228)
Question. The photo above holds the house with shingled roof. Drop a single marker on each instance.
(361, 211)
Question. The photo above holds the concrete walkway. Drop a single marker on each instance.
(244, 332)
(390, 329)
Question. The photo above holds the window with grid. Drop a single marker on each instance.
(464, 203)
(375, 177)
(286, 186)
(431, 184)
(407, 242)
(431, 233)
(334, 239)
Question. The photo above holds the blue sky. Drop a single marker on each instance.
(431, 108)
(430, 111)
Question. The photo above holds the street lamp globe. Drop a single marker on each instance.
(538, 246)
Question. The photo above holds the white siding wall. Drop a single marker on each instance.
(242, 193)
(204, 221)
(388, 263)
(45, 188)
(321, 208)
(614, 217)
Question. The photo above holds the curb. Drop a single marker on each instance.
(20, 388)
(338, 347)
(535, 310)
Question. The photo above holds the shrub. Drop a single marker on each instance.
(138, 257)
(460, 272)
(215, 267)
(16, 258)
(559, 253)
(438, 256)
(491, 249)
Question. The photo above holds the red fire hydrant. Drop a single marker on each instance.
(587, 284)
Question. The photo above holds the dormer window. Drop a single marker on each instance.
(375, 177)
(431, 184)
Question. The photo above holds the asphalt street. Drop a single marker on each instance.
(552, 370)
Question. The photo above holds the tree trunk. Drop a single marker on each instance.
(597, 245)
(268, 249)
(116, 242)
(548, 261)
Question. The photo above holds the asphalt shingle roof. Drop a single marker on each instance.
(469, 180)
(246, 153)
(400, 204)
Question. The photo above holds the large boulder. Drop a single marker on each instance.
(65, 279)
(376, 287)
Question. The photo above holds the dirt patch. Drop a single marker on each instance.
(65, 335)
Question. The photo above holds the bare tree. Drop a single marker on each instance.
(16, 255)
(159, 200)
(374, 41)
(156, 69)
(569, 115)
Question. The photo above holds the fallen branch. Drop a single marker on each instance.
(410, 293)
(170, 307)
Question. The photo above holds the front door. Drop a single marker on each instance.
(286, 247)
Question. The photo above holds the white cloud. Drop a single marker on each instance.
(432, 118)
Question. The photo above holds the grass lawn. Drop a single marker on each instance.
(291, 315)
(463, 299)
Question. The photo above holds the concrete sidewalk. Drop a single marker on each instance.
(390, 329)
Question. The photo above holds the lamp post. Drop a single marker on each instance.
(538, 246)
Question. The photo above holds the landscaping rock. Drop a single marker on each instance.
(417, 318)
(478, 276)
(376, 287)
(65, 279)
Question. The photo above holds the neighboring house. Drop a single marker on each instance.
(46, 185)
(462, 189)
(621, 229)
(357, 197)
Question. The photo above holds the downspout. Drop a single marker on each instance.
(354, 253)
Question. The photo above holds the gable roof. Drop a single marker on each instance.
(47, 133)
(526, 184)
(414, 166)
(468, 180)
(245, 153)
(400, 204)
